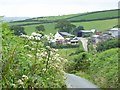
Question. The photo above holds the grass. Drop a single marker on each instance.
(54, 17)
(65, 52)
(83, 16)
(0, 38)
(18, 23)
(99, 25)
(96, 15)
(49, 28)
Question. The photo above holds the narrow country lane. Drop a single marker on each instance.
(84, 42)
(74, 81)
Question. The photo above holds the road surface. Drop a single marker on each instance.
(74, 81)
(84, 42)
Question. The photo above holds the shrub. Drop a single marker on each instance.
(80, 62)
(104, 69)
(27, 63)
(111, 43)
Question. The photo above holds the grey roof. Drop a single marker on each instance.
(65, 34)
(86, 31)
(115, 29)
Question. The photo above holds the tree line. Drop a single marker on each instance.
(61, 26)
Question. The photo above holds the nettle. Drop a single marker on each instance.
(28, 63)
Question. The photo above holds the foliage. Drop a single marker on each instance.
(104, 69)
(96, 15)
(79, 62)
(111, 43)
(60, 46)
(64, 26)
(18, 30)
(40, 28)
(79, 50)
(50, 27)
(77, 29)
(87, 35)
(27, 63)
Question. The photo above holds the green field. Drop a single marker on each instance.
(96, 15)
(54, 17)
(66, 52)
(83, 16)
(49, 28)
(19, 23)
(101, 25)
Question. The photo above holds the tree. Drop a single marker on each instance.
(77, 30)
(18, 30)
(40, 28)
(105, 45)
(65, 26)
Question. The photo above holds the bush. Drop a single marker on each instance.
(111, 43)
(18, 30)
(27, 63)
(104, 69)
(60, 46)
(78, 51)
(80, 62)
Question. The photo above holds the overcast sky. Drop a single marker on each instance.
(36, 8)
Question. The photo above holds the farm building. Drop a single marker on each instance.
(65, 38)
(115, 32)
(83, 33)
(98, 38)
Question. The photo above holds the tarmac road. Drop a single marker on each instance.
(74, 81)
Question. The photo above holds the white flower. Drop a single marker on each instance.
(24, 36)
(33, 34)
(37, 38)
(36, 34)
(48, 47)
(29, 55)
(20, 82)
(32, 48)
(37, 54)
(31, 38)
(13, 85)
(44, 54)
(26, 46)
(25, 77)
(44, 69)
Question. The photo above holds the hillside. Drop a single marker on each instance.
(101, 20)
(98, 15)
(107, 64)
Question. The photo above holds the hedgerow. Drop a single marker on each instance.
(28, 63)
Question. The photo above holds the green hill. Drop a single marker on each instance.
(101, 20)
(104, 69)
(99, 15)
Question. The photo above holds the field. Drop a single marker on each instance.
(49, 28)
(95, 15)
(101, 25)
(54, 17)
(82, 16)
(65, 52)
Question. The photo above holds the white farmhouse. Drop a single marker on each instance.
(58, 36)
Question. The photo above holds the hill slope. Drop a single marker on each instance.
(101, 20)
(104, 69)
